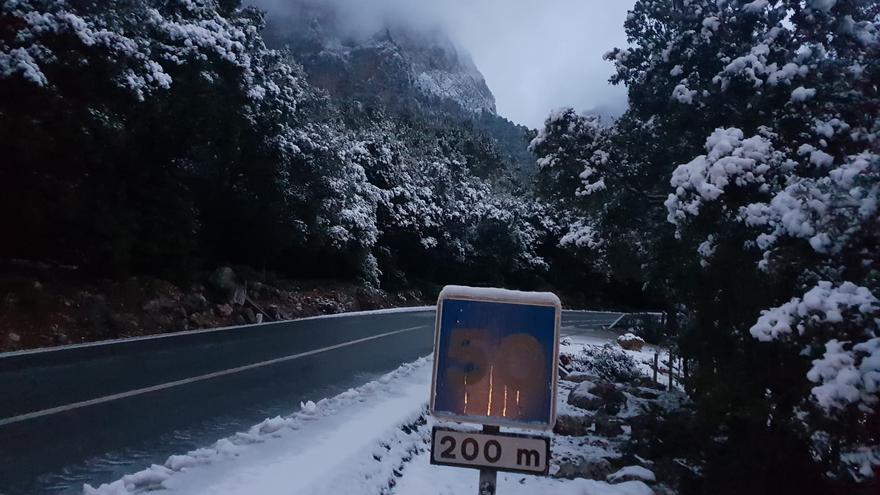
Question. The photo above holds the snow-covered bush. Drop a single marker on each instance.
(608, 363)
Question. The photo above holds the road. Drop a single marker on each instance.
(93, 412)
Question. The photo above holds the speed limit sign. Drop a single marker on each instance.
(495, 357)
(495, 364)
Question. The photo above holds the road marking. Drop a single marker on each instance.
(185, 381)
(617, 320)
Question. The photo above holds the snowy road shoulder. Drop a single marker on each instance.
(291, 454)
(373, 439)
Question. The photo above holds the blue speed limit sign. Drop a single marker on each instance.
(495, 356)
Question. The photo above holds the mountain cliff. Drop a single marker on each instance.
(398, 66)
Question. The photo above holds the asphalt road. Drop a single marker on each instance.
(94, 412)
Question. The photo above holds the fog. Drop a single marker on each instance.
(535, 56)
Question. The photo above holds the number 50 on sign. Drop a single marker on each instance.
(495, 355)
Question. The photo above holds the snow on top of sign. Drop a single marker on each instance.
(500, 295)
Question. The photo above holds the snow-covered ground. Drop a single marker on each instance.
(372, 439)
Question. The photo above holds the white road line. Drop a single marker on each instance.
(617, 320)
(185, 381)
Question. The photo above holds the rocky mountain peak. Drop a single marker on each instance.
(401, 66)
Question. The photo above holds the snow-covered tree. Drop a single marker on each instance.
(757, 124)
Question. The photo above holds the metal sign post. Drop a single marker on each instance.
(495, 364)
(488, 477)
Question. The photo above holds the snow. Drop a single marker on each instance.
(682, 94)
(828, 211)
(365, 440)
(421, 478)
(802, 94)
(638, 472)
(582, 390)
(500, 295)
(730, 159)
(312, 443)
(581, 235)
(706, 250)
(755, 6)
(844, 381)
(823, 5)
(822, 303)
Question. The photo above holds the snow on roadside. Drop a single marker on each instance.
(372, 439)
(289, 454)
(422, 478)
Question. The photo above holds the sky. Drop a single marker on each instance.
(536, 56)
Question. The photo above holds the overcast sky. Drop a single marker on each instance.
(537, 56)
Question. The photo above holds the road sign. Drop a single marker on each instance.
(496, 451)
(495, 355)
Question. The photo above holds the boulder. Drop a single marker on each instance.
(609, 426)
(160, 304)
(580, 376)
(201, 320)
(194, 303)
(238, 297)
(223, 279)
(596, 468)
(644, 393)
(124, 323)
(647, 382)
(582, 396)
(223, 310)
(572, 426)
(612, 398)
(249, 315)
(631, 342)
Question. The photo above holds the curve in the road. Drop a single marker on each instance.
(91, 412)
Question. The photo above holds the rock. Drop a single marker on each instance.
(605, 397)
(224, 310)
(608, 426)
(238, 297)
(201, 320)
(248, 315)
(223, 279)
(194, 303)
(180, 324)
(572, 426)
(646, 382)
(95, 314)
(611, 397)
(580, 376)
(631, 342)
(644, 393)
(126, 324)
(642, 425)
(632, 473)
(13, 337)
(582, 396)
(160, 304)
(565, 359)
(596, 468)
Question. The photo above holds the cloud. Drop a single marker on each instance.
(534, 56)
